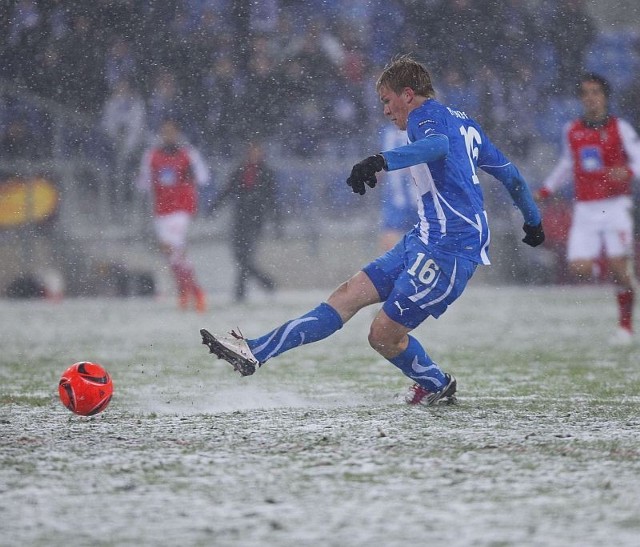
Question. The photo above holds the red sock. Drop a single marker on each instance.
(625, 308)
(184, 277)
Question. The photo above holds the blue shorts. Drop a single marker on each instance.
(415, 281)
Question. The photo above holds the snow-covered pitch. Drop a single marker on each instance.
(543, 447)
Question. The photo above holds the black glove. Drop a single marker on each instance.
(365, 172)
(534, 234)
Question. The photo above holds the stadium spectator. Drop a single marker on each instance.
(346, 100)
(516, 125)
(326, 42)
(57, 19)
(172, 171)
(124, 120)
(464, 37)
(24, 37)
(601, 154)
(82, 68)
(45, 76)
(313, 73)
(430, 267)
(221, 83)
(262, 92)
(164, 101)
(263, 16)
(570, 29)
(18, 141)
(518, 32)
(630, 96)
(120, 63)
(251, 190)
(306, 111)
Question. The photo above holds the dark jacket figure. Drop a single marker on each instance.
(251, 189)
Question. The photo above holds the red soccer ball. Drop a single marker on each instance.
(85, 388)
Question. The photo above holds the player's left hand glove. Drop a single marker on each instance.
(534, 235)
(365, 172)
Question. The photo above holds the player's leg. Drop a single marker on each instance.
(426, 287)
(253, 269)
(242, 268)
(172, 234)
(582, 270)
(248, 354)
(184, 274)
(320, 322)
(262, 277)
(624, 287)
(393, 341)
(618, 243)
(352, 295)
(584, 242)
(169, 243)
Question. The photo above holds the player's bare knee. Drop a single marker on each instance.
(381, 340)
(374, 339)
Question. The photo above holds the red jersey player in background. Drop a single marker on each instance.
(172, 171)
(601, 154)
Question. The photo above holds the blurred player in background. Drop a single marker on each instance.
(430, 267)
(172, 170)
(399, 209)
(251, 189)
(601, 154)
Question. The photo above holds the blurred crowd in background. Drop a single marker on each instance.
(298, 73)
(87, 85)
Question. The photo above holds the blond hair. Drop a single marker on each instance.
(404, 71)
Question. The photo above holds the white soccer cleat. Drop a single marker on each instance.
(233, 349)
(621, 338)
(417, 395)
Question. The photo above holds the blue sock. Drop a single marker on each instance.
(417, 365)
(311, 327)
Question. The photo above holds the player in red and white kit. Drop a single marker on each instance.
(172, 171)
(601, 154)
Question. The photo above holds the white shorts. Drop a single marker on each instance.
(172, 229)
(602, 225)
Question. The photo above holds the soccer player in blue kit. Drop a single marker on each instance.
(430, 267)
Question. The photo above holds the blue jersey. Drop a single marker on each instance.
(446, 148)
(399, 210)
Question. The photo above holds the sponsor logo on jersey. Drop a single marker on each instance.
(591, 159)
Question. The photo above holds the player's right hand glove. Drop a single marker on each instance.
(534, 235)
(365, 172)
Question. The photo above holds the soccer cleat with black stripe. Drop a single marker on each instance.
(233, 349)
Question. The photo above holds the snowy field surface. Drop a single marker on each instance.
(542, 449)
